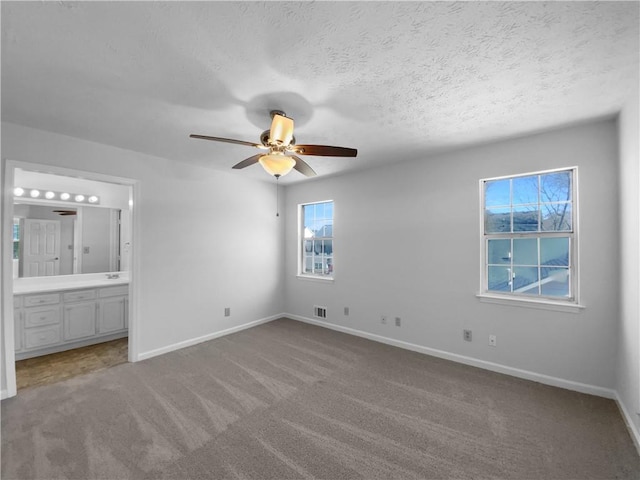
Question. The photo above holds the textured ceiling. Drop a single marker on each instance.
(396, 80)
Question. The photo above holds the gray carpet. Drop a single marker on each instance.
(289, 400)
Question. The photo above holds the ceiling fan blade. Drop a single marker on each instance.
(248, 161)
(226, 140)
(325, 151)
(303, 167)
(281, 130)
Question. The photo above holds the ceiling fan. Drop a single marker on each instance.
(281, 149)
(65, 212)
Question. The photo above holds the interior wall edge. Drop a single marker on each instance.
(204, 338)
(628, 421)
(463, 359)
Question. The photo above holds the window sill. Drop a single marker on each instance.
(542, 304)
(315, 278)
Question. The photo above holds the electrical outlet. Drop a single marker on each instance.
(492, 340)
(86, 249)
(227, 311)
(466, 334)
(346, 311)
(383, 319)
(398, 320)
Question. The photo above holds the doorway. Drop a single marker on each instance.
(123, 255)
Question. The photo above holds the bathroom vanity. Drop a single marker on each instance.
(53, 314)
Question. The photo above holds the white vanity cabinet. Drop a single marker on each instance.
(40, 315)
(56, 321)
(79, 314)
(113, 308)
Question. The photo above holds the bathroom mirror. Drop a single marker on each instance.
(65, 225)
(53, 240)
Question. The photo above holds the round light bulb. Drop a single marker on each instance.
(49, 195)
(34, 193)
(93, 199)
(65, 196)
(79, 198)
(18, 192)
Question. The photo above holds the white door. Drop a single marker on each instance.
(41, 247)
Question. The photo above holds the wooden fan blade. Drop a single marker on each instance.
(325, 151)
(281, 130)
(227, 140)
(303, 167)
(248, 162)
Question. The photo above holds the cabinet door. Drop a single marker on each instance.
(79, 320)
(112, 314)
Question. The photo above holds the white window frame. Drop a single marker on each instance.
(301, 238)
(570, 304)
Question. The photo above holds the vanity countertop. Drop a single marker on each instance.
(67, 282)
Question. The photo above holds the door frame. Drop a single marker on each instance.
(7, 326)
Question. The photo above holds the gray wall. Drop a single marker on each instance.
(628, 371)
(197, 238)
(407, 244)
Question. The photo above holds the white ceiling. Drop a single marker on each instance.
(396, 80)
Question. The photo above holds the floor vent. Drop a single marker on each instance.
(319, 312)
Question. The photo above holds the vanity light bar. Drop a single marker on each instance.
(20, 192)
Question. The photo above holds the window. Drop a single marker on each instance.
(529, 235)
(16, 238)
(316, 239)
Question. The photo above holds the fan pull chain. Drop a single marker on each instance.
(277, 202)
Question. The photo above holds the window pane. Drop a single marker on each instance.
(328, 246)
(525, 251)
(319, 210)
(328, 210)
(555, 187)
(308, 264)
(497, 220)
(555, 282)
(499, 252)
(308, 245)
(499, 280)
(556, 217)
(525, 280)
(326, 230)
(525, 219)
(525, 190)
(308, 212)
(554, 251)
(497, 193)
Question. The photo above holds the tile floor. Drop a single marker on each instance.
(60, 366)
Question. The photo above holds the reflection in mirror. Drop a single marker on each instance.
(65, 225)
(54, 240)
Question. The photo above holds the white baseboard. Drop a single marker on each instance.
(204, 338)
(4, 394)
(474, 362)
(628, 419)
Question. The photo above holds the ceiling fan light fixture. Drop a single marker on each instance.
(281, 131)
(277, 164)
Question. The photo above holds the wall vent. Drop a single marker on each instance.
(319, 312)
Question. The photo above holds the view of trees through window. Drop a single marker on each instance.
(529, 230)
(317, 239)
